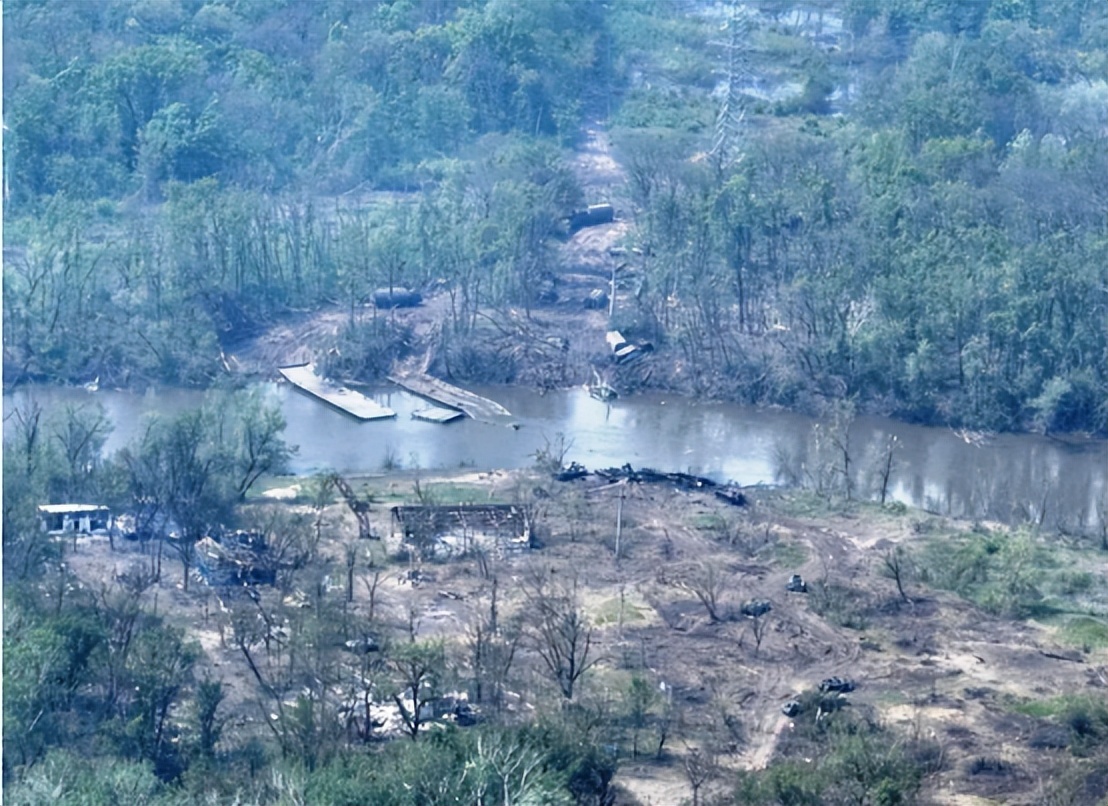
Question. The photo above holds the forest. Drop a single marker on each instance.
(893, 207)
(900, 204)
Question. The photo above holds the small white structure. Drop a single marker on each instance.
(81, 518)
(615, 340)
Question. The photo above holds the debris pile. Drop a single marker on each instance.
(236, 558)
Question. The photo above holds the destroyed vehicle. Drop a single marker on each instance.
(252, 541)
(791, 708)
(756, 607)
(687, 481)
(615, 340)
(649, 475)
(397, 298)
(796, 584)
(574, 471)
(632, 352)
(230, 564)
(362, 646)
(597, 300)
(591, 216)
(836, 684)
(465, 715)
(731, 495)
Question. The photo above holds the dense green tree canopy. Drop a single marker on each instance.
(920, 225)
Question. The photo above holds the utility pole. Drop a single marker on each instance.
(612, 297)
(619, 521)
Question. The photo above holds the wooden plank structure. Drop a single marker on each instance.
(450, 396)
(303, 377)
(434, 414)
(504, 520)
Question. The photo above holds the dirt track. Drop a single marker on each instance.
(936, 666)
(584, 263)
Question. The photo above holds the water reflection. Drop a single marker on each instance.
(1007, 477)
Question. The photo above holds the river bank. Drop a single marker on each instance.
(1007, 477)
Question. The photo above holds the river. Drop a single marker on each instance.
(1006, 477)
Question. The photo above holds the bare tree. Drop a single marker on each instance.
(492, 647)
(560, 630)
(518, 771)
(551, 456)
(705, 581)
(886, 465)
(640, 700)
(350, 562)
(320, 492)
(896, 568)
(759, 625)
(371, 584)
(619, 524)
(699, 769)
(291, 539)
(80, 433)
(833, 473)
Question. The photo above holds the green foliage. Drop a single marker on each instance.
(1084, 717)
(933, 252)
(664, 108)
(842, 759)
(1003, 572)
(270, 95)
(1085, 632)
(67, 779)
(208, 725)
(839, 604)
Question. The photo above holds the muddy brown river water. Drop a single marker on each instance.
(1005, 477)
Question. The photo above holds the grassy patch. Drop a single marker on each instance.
(1084, 632)
(1001, 572)
(708, 521)
(787, 553)
(1085, 718)
(447, 492)
(1051, 707)
(805, 504)
(668, 108)
(607, 612)
(839, 604)
(891, 698)
(1014, 573)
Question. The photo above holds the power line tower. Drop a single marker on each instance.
(727, 142)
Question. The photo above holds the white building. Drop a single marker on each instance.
(83, 518)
